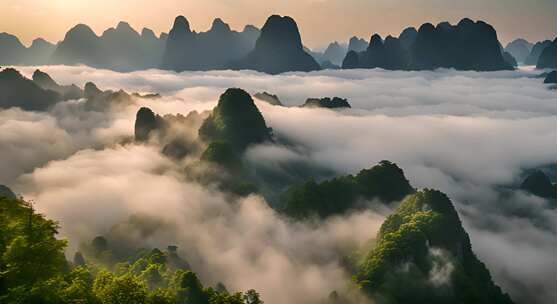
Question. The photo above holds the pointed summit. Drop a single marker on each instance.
(181, 26)
(80, 31)
(375, 40)
(219, 26)
(279, 49)
(124, 26)
(280, 31)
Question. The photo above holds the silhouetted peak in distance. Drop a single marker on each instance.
(279, 49)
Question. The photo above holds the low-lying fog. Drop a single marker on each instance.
(468, 134)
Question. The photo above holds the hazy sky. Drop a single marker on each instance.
(320, 21)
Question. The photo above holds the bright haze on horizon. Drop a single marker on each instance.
(320, 21)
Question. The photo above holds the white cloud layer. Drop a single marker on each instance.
(464, 133)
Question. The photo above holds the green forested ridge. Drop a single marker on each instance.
(385, 182)
(424, 255)
(33, 270)
(235, 120)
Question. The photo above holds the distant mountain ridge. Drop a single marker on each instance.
(278, 49)
(112, 50)
(548, 57)
(520, 49)
(468, 45)
(211, 50)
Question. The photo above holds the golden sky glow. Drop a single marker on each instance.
(320, 21)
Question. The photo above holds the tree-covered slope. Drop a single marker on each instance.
(424, 255)
(235, 120)
(33, 269)
(385, 182)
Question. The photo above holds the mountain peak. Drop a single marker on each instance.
(40, 42)
(81, 30)
(122, 25)
(250, 28)
(219, 26)
(181, 25)
(283, 30)
(148, 33)
(375, 40)
(43, 79)
(235, 120)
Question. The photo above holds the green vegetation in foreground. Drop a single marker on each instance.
(424, 255)
(385, 182)
(33, 270)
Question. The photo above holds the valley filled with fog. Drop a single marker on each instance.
(471, 135)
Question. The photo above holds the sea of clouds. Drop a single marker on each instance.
(468, 134)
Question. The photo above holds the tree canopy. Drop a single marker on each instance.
(385, 182)
(424, 255)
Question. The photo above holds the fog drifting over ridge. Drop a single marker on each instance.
(464, 133)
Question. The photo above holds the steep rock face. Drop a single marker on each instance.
(11, 49)
(146, 122)
(235, 120)
(519, 49)
(18, 91)
(466, 46)
(551, 78)
(537, 50)
(214, 49)
(548, 58)
(423, 237)
(279, 49)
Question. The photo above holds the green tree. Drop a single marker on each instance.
(30, 254)
(126, 289)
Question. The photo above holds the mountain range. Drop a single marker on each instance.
(468, 45)
(276, 48)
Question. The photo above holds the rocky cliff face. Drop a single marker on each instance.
(279, 49)
(548, 58)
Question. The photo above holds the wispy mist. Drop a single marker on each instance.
(468, 134)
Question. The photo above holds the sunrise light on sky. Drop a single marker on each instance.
(320, 21)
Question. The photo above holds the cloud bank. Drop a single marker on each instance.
(468, 134)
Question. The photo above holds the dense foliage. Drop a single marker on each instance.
(385, 182)
(423, 255)
(235, 120)
(33, 269)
